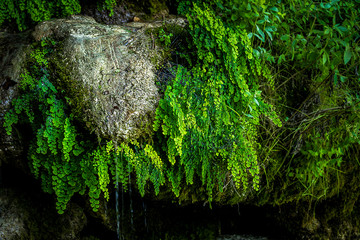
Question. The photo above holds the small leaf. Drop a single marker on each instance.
(285, 37)
(220, 5)
(324, 58)
(342, 79)
(325, 6)
(270, 36)
(256, 53)
(274, 9)
(261, 34)
(327, 31)
(248, 115)
(340, 29)
(281, 58)
(347, 54)
(269, 28)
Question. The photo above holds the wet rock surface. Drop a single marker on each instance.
(111, 79)
(121, 14)
(110, 75)
(13, 49)
(27, 216)
(108, 72)
(240, 237)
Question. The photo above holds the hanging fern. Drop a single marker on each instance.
(59, 155)
(210, 112)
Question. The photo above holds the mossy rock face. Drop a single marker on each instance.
(106, 74)
(25, 215)
(13, 50)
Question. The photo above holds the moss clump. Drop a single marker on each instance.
(172, 41)
(152, 9)
(63, 74)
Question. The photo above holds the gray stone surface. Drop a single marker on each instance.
(13, 49)
(111, 71)
(110, 76)
(240, 237)
(25, 215)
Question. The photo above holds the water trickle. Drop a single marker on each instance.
(122, 206)
(106, 210)
(117, 199)
(145, 216)
(131, 205)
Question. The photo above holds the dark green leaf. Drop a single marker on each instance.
(274, 9)
(256, 53)
(347, 54)
(324, 59)
(325, 6)
(270, 36)
(285, 37)
(281, 58)
(262, 38)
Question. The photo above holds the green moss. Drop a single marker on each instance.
(26, 13)
(169, 53)
(152, 9)
(63, 74)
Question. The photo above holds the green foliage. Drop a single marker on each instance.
(311, 52)
(150, 7)
(315, 51)
(209, 120)
(164, 37)
(210, 112)
(108, 5)
(244, 59)
(25, 12)
(60, 155)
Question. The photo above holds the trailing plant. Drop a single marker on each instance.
(210, 112)
(245, 60)
(315, 52)
(27, 12)
(60, 155)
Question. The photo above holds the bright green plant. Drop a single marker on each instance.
(24, 12)
(210, 112)
(59, 155)
(245, 59)
(315, 49)
(27, 12)
(166, 38)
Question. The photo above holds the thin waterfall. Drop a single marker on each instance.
(131, 205)
(122, 206)
(106, 209)
(117, 198)
(145, 216)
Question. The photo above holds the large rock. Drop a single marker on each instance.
(108, 73)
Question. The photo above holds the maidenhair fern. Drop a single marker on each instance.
(24, 12)
(59, 155)
(210, 112)
(27, 12)
(208, 121)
